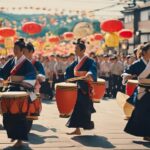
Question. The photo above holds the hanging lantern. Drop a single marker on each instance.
(9, 42)
(31, 28)
(7, 32)
(1, 40)
(112, 25)
(54, 39)
(126, 34)
(111, 40)
(98, 37)
(68, 36)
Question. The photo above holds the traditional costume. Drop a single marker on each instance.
(135, 69)
(16, 124)
(139, 123)
(81, 116)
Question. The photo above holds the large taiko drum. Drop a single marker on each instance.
(66, 96)
(14, 102)
(127, 108)
(35, 108)
(98, 90)
(130, 87)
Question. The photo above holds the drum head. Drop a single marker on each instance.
(133, 81)
(13, 94)
(121, 99)
(65, 85)
(100, 81)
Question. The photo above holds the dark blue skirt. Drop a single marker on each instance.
(139, 123)
(81, 116)
(16, 125)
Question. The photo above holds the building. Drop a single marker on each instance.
(137, 18)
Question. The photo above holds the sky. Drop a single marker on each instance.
(101, 8)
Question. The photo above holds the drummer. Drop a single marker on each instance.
(135, 70)
(83, 66)
(139, 123)
(40, 72)
(23, 71)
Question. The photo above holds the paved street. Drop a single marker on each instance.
(49, 132)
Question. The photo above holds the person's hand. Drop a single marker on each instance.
(41, 79)
(88, 77)
(128, 77)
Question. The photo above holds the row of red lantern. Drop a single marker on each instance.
(114, 25)
(29, 28)
(7, 32)
(110, 27)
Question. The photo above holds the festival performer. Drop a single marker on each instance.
(83, 66)
(23, 71)
(40, 77)
(139, 123)
(134, 71)
(40, 72)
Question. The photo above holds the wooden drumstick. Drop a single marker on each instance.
(75, 79)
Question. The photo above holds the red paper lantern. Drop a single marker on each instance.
(112, 25)
(126, 33)
(7, 32)
(54, 39)
(98, 37)
(68, 36)
(31, 28)
(1, 40)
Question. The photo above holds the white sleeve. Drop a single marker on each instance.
(146, 71)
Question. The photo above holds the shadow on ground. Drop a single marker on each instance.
(93, 141)
(36, 139)
(24, 147)
(39, 128)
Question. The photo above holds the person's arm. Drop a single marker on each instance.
(30, 75)
(69, 71)
(146, 71)
(5, 70)
(40, 71)
(92, 72)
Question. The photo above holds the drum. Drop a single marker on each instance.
(130, 87)
(66, 96)
(35, 108)
(127, 108)
(99, 90)
(14, 102)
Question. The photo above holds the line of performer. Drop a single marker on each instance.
(21, 105)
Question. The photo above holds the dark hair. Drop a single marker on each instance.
(80, 43)
(30, 47)
(20, 42)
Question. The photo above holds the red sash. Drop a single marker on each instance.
(78, 66)
(33, 61)
(16, 68)
(83, 73)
